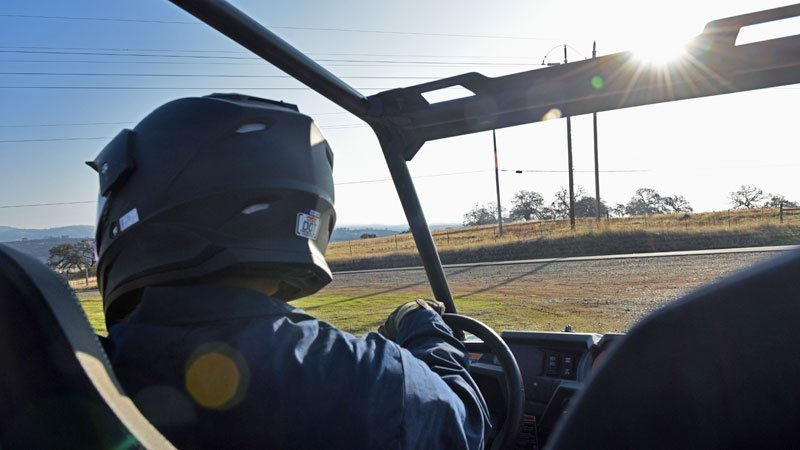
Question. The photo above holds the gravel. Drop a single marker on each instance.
(623, 289)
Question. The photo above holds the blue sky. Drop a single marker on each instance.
(151, 52)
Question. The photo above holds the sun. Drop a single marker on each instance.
(660, 51)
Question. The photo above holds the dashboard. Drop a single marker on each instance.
(554, 367)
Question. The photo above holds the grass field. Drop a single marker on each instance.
(501, 312)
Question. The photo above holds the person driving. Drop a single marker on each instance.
(213, 213)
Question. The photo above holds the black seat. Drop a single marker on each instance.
(57, 389)
(719, 369)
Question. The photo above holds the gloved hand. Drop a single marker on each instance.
(390, 329)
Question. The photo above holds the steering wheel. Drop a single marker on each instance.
(505, 439)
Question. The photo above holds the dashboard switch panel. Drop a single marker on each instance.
(553, 364)
(560, 365)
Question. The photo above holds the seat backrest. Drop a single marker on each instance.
(718, 369)
(57, 389)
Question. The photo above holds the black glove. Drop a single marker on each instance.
(390, 329)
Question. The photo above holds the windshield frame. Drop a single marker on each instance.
(403, 120)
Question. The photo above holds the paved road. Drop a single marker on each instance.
(771, 249)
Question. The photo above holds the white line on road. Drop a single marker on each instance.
(776, 248)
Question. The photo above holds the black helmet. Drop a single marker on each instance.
(210, 186)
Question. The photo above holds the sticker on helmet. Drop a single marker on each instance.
(130, 218)
(308, 224)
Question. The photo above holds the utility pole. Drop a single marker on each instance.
(596, 163)
(497, 185)
(569, 164)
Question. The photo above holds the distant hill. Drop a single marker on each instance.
(9, 234)
(39, 248)
(38, 242)
(350, 234)
(353, 232)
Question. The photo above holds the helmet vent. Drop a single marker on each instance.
(251, 127)
(258, 207)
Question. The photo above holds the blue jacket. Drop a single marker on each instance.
(221, 367)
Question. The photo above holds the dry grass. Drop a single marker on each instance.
(80, 284)
(552, 239)
(537, 239)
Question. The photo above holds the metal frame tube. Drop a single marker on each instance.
(235, 24)
(419, 226)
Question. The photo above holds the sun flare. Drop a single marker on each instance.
(660, 52)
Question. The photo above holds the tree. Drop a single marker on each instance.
(560, 206)
(645, 201)
(527, 205)
(746, 197)
(775, 201)
(676, 204)
(586, 206)
(368, 235)
(618, 210)
(548, 213)
(67, 257)
(481, 215)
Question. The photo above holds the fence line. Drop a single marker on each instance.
(784, 210)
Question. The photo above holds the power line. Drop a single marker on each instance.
(121, 49)
(393, 55)
(101, 19)
(89, 53)
(84, 61)
(8, 141)
(46, 204)
(415, 33)
(192, 75)
(261, 62)
(179, 88)
(380, 180)
(277, 27)
(578, 171)
(36, 125)
(249, 58)
(30, 205)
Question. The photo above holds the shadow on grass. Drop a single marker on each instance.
(372, 294)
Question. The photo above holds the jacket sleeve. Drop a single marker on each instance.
(451, 401)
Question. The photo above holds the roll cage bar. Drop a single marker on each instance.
(403, 120)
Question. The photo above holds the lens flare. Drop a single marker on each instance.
(216, 378)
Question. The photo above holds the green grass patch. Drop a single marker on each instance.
(92, 305)
(361, 314)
